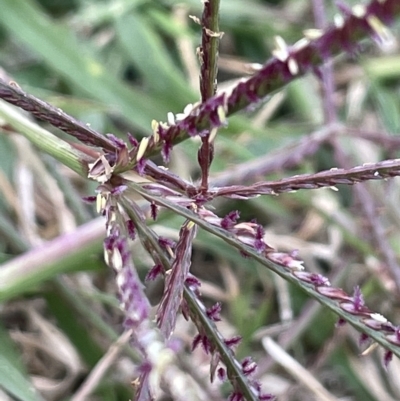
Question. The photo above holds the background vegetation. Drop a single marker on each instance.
(116, 65)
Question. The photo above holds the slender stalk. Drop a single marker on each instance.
(13, 94)
(208, 77)
(368, 171)
(44, 140)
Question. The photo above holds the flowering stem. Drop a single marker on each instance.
(150, 241)
(329, 178)
(380, 336)
(233, 367)
(290, 63)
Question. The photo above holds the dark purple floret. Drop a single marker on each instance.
(109, 243)
(221, 374)
(153, 211)
(319, 279)
(387, 358)
(363, 339)
(130, 225)
(204, 341)
(230, 220)
(118, 142)
(118, 190)
(233, 342)
(154, 272)
(144, 367)
(166, 150)
(192, 281)
(358, 299)
(236, 396)
(341, 322)
(214, 312)
(196, 342)
(248, 366)
(194, 284)
(132, 140)
(140, 166)
(259, 243)
(166, 242)
(89, 199)
(312, 278)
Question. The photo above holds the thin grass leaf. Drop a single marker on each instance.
(60, 255)
(78, 63)
(13, 378)
(151, 59)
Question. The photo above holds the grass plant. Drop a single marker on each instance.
(199, 200)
